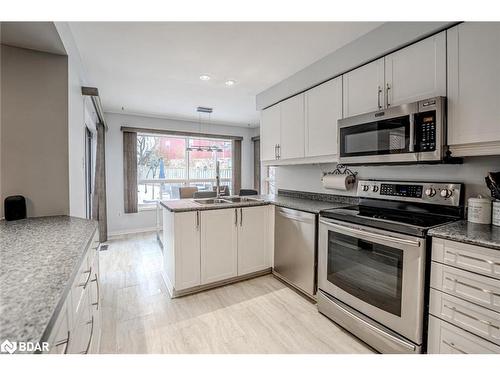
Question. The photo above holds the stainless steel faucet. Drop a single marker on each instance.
(217, 178)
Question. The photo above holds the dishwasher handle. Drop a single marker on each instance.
(297, 215)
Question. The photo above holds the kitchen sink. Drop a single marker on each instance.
(212, 201)
(241, 199)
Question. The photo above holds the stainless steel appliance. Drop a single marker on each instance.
(295, 255)
(409, 133)
(373, 260)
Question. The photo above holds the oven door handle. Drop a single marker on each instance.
(381, 237)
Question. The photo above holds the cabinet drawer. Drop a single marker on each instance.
(445, 338)
(484, 291)
(468, 257)
(81, 283)
(471, 317)
(60, 334)
(83, 330)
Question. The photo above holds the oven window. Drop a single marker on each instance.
(366, 270)
(377, 138)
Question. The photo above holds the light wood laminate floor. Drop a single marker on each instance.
(261, 315)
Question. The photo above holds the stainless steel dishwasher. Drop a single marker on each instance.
(295, 250)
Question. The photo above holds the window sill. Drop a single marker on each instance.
(146, 208)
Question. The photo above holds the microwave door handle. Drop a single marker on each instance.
(411, 147)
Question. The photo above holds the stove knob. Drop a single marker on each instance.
(374, 188)
(430, 192)
(366, 187)
(446, 193)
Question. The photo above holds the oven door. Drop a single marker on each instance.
(381, 274)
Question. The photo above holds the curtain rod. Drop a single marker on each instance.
(96, 101)
(179, 133)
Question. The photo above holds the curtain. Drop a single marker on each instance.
(130, 171)
(99, 201)
(256, 163)
(236, 166)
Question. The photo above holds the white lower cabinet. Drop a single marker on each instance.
(77, 326)
(445, 338)
(253, 232)
(210, 246)
(464, 306)
(219, 253)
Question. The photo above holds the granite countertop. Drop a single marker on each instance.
(475, 234)
(186, 205)
(38, 261)
(303, 201)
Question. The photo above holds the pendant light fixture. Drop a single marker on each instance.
(189, 148)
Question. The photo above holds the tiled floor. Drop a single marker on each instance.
(261, 315)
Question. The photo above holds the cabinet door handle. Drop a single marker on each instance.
(91, 322)
(388, 87)
(96, 281)
(279, 151)
(275, 152)
(379, 91)
(84, 285)
(474, 258)
(241, 217)
(235, 217)
(64, 342)
(488, 323)
(456, 281)
(197, 220)
(451, 344)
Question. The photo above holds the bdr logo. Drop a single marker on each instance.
(11, 346)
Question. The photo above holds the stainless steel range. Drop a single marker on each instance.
(373, 260)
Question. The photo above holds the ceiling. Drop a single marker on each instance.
(39, 36)
(153, 68)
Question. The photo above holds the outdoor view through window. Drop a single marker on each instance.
(164, 165)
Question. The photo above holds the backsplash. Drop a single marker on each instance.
(337, 198)
(307, 178)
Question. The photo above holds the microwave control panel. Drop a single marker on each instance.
(425, 131)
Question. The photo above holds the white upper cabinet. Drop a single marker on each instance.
(292, 128)
(219, 245)
(323, 105)
(364, 89)
(253, 253)
(474, 88)
(270, 124)
(416, 72)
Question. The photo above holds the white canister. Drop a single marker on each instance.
(496, 213)
(479, 210)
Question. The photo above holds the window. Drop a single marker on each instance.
(164, 165)
(270, 180)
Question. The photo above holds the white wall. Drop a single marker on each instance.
(81, 115)
(472, 173)
(118, 221)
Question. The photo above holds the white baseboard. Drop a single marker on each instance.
(131, 231)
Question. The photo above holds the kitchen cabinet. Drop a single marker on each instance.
(253, 254)
(473, 94)
(212, 246)
(291, 145)
(219, 252)
(413, 73)
(323, 108)
(416, 72)
(364, 89)
(270, 125)
(181, 249)
(464, 313)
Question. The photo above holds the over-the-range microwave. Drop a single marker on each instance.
(408, 133)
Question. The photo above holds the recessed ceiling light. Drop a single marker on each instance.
(230, 82)
(204, 77)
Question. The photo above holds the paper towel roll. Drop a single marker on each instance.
(338, 181)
